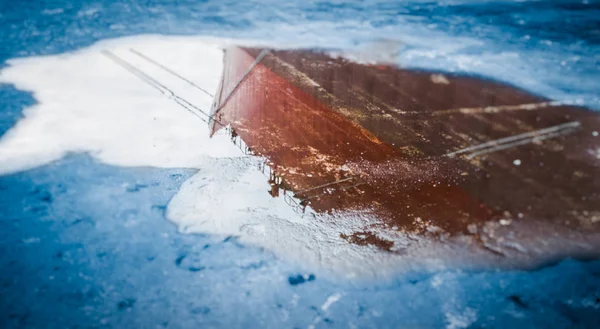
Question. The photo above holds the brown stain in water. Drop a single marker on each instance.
(319, 119)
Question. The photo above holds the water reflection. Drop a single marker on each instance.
(429, 153)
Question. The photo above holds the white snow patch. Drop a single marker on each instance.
(455, 320)
(439, 79)
(330, 301)
(229, 197)
(87, 103)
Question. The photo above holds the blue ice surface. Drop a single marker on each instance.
(86, 245)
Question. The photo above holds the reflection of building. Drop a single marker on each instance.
(424, 151)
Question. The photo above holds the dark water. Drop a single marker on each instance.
(86, 245)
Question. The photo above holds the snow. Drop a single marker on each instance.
(228, 197)
(460, 320)
(86, 103)
(330, 301)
